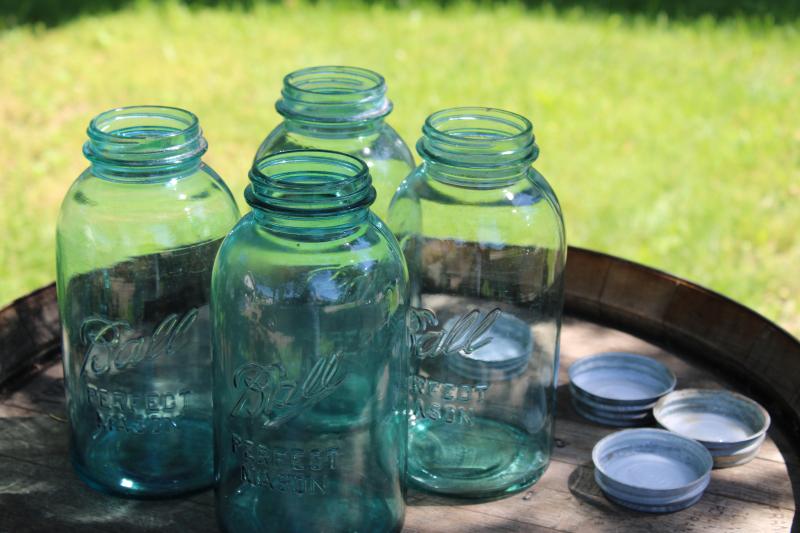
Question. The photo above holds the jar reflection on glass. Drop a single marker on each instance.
(483, 236)
(310, 354)
(136, 239)
(343, 109)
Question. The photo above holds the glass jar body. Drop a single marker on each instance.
(134, 261)
(310, 370)
(486, 264)
(376, 143)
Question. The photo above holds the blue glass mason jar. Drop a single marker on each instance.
(310, 354)
(483, 236)
(342, 109)
(135, 245)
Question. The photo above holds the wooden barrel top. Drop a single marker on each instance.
(611, 305)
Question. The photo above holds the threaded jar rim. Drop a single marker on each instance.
(477, 137)
(310, 181)
(144, 136)
(334, 94)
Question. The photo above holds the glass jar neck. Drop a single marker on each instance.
(477, 147)
(333, 101)
(310, 191)
(320, 227)
(144, 142)
(333, 130)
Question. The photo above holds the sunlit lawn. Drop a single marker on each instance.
(677, 145)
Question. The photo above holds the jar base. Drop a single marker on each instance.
(130, 488)
(260, 509)
(141, 467)
(490, 460)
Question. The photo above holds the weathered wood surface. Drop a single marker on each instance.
(40, 493)
(714, 330)
(29, 332)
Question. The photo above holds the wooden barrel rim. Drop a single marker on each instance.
(762, 358)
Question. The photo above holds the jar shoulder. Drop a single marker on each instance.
(381, 144)
(118, 219)
(531, 192)
(252, 245)
(390, 137)
(181, 197)
(524, 212)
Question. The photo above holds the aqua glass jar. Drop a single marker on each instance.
(484, 239)
(342, 109)
(135, 245)
(310, 354)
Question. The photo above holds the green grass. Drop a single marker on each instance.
(673, 144)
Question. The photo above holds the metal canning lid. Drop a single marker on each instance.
(622, 409)
(613, 419)
(505, 357)
(621, 378)
(641, 413)
(670, 506)
(651, 470)
(730, 425)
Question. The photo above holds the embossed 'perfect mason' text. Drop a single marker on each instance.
(450, 403)
(447, 402)
(296, 471)
(139, 413)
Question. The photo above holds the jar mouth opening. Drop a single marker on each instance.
(145, 136)
(469, 125)
(334, 95)
(478, 138)
(310, 181)
(143, 122)
(334, 80)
